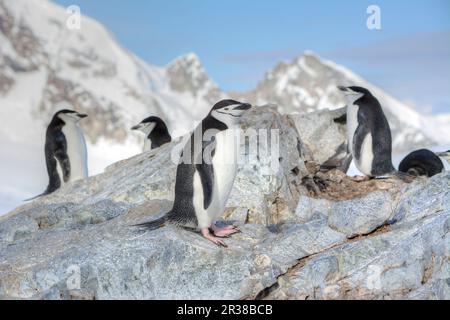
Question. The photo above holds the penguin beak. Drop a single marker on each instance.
(136, 127)
(244, 106)
(348, 91)
(82, 115)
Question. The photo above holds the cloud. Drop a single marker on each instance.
(414, 67)
(419, 47)
(261, 56)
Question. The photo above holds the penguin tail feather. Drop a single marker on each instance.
(153, 225)
(38, 196)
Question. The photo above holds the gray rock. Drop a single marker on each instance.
(361, 216)
(78, 243)
(324, 134)
(310, 208)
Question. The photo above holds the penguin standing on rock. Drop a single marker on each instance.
(421, 162)
(369, 134)
(206, 174)
(156, 132)
(65, 150)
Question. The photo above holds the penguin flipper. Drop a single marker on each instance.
(53, 177)
(64, 162)
(206, 171)
(358, 140)
(54, 181)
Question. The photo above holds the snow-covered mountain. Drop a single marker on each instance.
(309, 83)
(88, 69)
(44, 66)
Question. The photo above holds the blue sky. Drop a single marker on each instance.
(238, 41)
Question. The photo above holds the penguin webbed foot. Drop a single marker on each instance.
(225, 231)
(361, 178)
(206, 233)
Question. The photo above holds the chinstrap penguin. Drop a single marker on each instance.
(156, 132)
(369, 134)
(421, 162)
(65, 150)
(206, 173)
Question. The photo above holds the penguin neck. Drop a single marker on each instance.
(147, 144)
(212, 123)
(56, 123)
(158, 131)
(157, 137)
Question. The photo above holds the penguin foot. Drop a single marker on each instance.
(225, 231)
(361, 178)
(208, 235)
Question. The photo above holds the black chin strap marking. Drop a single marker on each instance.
(228, 114)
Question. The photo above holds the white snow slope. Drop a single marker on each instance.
(45, 66)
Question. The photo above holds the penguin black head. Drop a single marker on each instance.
(229, 111)
(148, 124)
(68, 116)
(354, 93)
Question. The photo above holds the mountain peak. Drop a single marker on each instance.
(312, 59)
(187, 74)
(308, 83)
(189, 59)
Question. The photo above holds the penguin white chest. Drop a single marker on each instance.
(147, 144)
(76, 151)
(225, 168)
(365, 160)
(364, 163)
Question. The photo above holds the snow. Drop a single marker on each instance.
(306, 68)
(109, 73)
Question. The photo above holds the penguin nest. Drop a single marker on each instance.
(339, 186)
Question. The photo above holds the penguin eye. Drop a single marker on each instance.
(226, 109)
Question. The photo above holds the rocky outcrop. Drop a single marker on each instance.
(371, 240)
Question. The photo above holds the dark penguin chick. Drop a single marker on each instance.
(444, 155)
(156, 132)
(369, 134)
(421, 162)
(65, 150)
(206, 173)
